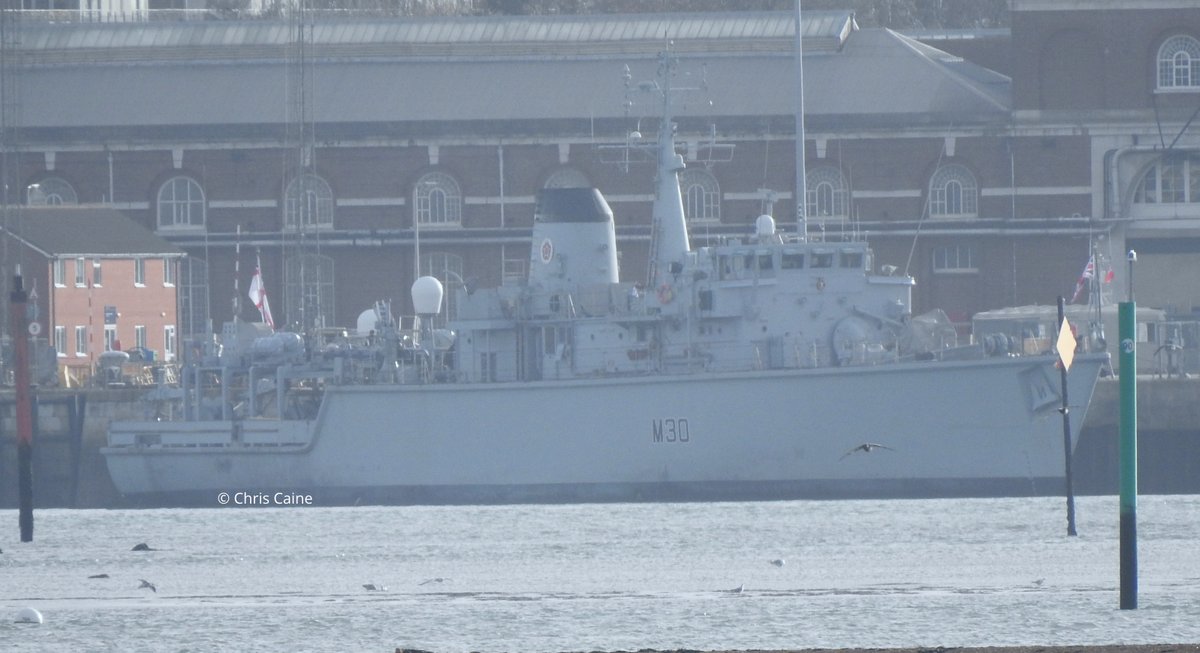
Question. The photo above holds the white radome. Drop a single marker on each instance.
(29, 616)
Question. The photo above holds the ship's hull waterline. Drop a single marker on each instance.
(972, 428)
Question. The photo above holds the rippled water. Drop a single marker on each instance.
(601, 577)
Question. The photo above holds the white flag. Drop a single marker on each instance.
(258, 295)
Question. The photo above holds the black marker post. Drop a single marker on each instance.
(1065, 345)
(1127, 325)
(19, 300)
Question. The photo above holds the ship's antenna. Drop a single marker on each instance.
(924, 210)
(801, 173)
(306, 203)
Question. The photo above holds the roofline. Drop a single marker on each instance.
(357, 36)
(93, 255)
(1015, 6)
(907, 42)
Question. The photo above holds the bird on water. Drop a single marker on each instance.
(866, 447)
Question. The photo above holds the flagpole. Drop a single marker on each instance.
(237, 266)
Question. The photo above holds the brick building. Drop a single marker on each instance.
(100, 282)
(321, 143)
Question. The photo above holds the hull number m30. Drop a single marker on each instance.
(672, 429)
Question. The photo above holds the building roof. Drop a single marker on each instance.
(91, 231)
(485, 73)
(346, 35)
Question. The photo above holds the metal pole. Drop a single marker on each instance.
(1127, 326)
(19, 300)
(801, 189)
(1066, 416)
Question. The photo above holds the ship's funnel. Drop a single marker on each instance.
(574, 241)
(427, 296)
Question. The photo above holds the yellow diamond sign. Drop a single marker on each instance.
(1065, 345)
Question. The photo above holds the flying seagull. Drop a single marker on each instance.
(372, 587)
(866, 447)
(427, 581)
(147, 584)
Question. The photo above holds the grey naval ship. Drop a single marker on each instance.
(767, 367)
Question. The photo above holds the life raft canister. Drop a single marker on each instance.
(665, 293)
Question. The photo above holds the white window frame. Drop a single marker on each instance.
(308, 290)
(60, 273)
(168, 271)
(52, 191)
(701, 195)
(81, 272)
(181, 205)
(81, 341)
(139, 336)
(826, 187)
(139, 272)
(193, 297)
(1178, 64)
(97, 274)
(1169, 182)
(169, 343)
(307, 203)
(60, 341)
(110, 337)
(437, 201)
(955, 259)
(953, 192)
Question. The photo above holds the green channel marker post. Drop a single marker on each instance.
(1127, 328)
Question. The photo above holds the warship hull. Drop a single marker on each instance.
(989, 427)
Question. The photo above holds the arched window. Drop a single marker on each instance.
(826, 189)
(1170, 180)
(181, 204)
(51, 191)
(437, 200)
(308, 291)
(1179, 63)
(567, 178)
(701, 195)
(953, 192)
(193, 297)
(308, 203)
(448, 268)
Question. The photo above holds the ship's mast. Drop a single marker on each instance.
(801, 174)
(668, 238)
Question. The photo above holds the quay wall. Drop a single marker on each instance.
(69, 470)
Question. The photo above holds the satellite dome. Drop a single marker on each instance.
(764, 225)
(427, 295)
